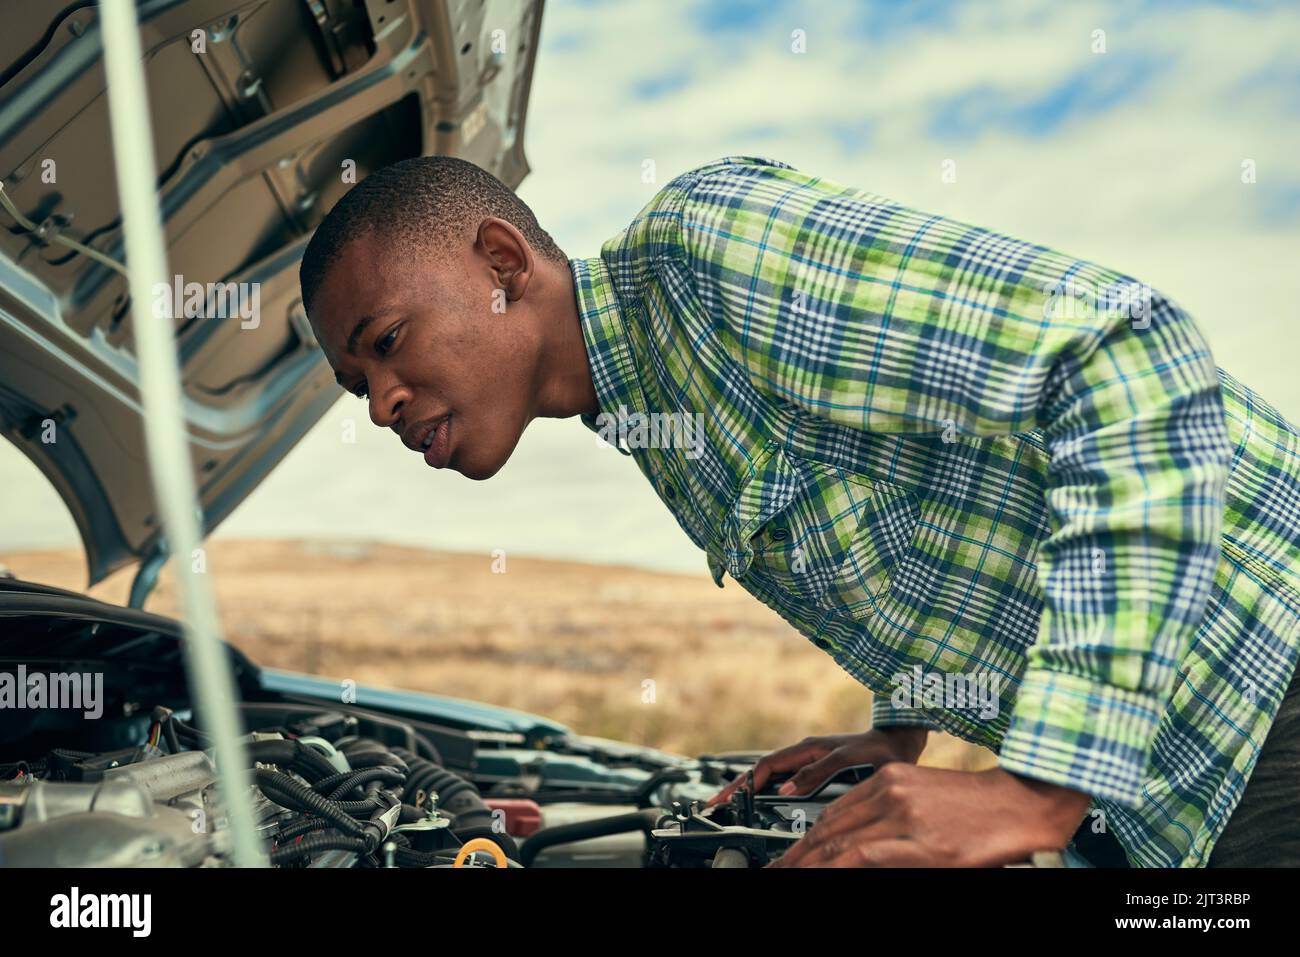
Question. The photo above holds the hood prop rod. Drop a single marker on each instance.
(208, 665)
(146, 576)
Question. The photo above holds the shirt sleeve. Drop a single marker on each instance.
(848, 306)
(884, 714)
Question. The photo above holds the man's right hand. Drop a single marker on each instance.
(815, 759)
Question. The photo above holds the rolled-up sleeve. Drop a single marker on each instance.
(1139, 458)
(885, 714)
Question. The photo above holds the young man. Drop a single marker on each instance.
(1005, 489)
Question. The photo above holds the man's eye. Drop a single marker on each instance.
(385, 342)
(361, 391)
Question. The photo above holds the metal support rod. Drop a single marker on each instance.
(211, 681)
(146, 576)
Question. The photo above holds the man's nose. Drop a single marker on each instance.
(386, 406)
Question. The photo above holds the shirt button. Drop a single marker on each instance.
(780, 533)
(670, 493)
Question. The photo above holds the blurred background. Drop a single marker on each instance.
(1158, 137)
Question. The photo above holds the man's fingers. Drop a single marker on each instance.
(810, 776)
(828, 839)
(725, 793)
(760, 776)
(862, 792)
(878, 853)
(778, 762)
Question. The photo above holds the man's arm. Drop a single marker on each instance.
(877, 317)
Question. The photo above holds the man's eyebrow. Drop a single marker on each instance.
(359, 328)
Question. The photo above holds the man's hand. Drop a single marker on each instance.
(906, 816)
(816, 759)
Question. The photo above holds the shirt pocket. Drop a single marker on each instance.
(817, 533)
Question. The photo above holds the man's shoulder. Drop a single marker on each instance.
(654, 228)
(731, 163)
(732, 172)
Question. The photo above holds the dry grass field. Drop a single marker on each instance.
(574, 642)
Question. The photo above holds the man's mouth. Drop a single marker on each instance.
(435, 441)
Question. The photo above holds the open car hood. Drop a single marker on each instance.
(253, 134)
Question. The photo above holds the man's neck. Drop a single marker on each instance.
(564, 378)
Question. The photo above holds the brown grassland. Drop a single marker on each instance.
(570, 641)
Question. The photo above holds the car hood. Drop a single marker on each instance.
(263, 114)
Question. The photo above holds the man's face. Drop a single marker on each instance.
(419, 338)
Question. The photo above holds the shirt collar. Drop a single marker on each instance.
(609, 352)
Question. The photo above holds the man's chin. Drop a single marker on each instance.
(479, 470)
(486, 457)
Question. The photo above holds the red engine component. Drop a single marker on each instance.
(523, 816)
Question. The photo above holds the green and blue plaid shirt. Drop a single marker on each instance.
(939, 452)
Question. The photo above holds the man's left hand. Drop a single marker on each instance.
(908, 816)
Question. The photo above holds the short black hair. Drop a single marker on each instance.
(426, 202)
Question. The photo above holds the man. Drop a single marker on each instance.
(1005, 489)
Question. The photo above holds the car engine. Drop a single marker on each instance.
(338, 789)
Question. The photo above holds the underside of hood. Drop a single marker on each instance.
(264, 113)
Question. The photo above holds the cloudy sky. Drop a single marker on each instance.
(1132, 157)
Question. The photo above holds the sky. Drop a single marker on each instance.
(1117, 132)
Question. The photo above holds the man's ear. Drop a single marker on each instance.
(508, 253)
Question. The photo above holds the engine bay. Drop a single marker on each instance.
(342, 775)
(335, 788)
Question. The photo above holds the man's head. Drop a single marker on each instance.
(407, 282)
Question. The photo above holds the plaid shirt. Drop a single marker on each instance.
(947, 456)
